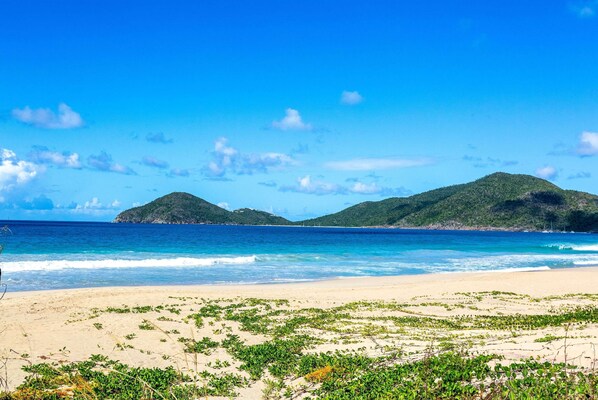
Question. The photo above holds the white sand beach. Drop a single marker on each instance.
(71, 325)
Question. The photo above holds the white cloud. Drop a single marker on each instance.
(588, 144)
(228, 159)
(291, 121)
(96, 207)
(547, 172)
(43, 155)
(365, 188)
(154, 162)
(103, 162)
(309, 186)
(179, 172)
(351, 98)
(15, 172)
(370, 164)
(224, 205)
(47, 119)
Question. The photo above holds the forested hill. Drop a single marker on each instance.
(184, 208)
(497, 201)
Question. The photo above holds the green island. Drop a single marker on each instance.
(497, 201)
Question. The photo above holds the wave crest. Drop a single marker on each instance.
(56, 265)
(565, 246)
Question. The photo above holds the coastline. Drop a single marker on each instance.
(554, 281)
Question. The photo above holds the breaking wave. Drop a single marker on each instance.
(56, 265)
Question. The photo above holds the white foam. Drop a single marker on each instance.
(589, 247)
(569, 246)
(590, 262)
(56, 265)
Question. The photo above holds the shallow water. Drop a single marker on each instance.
(53, 255)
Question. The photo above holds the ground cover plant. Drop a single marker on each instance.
(462, 346)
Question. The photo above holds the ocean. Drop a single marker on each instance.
(56, 255)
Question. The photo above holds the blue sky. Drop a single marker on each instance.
(300, 108)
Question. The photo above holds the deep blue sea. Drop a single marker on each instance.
(52, 255)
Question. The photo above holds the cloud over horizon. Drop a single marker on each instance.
(291, 121)
(547, 172)
(45, 118)
(308, 185)
(226, 158)
(370, 164)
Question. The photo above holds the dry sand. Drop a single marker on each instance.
(65, 325)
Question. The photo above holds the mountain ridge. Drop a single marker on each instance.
(499, 201)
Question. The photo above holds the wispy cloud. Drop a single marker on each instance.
(179, 172)
(226, 158)
(104, 162)
(351, 98)
(309, 186)
(374, 188)
(154, 162)
(15, 172)
(580, 175)
(584, 9)
(588, 144)
(158, 137)
(371, 164)
(480, 162)
(45, 118)
(291, 121)
(547, 172)
(318, 187)
(268, 183)
(66, 159)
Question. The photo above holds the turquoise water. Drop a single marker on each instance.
(53, 255)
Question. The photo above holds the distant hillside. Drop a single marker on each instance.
(497, 201)
(184, 208)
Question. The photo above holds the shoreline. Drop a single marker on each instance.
(439, 227)
(452, 279)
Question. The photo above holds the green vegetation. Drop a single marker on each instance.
(383, 350)
(447, 375)
(184, 208)
(203, 346)
(101, 378)
(499, 200)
